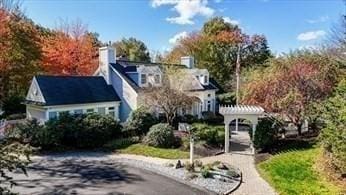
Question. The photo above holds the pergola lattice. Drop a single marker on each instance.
(231, 113)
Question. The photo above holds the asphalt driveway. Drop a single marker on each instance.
(71, 176)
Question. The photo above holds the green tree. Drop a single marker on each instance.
(333, 136)
(133, 49)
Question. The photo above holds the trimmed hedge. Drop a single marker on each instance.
(81, 131)
(160, 135)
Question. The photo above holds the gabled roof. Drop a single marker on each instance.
(62, 90)
(123, 67)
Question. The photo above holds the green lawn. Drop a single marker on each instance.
(145, 150)
(293, 173)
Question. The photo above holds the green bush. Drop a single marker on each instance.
(139, 122)
(266, 133)
(160, 135)
(212, 118)
(94, 131)
(333, 136)
(205, 172)
(212, 135)
(82, 131)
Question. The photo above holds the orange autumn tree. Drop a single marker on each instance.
(70, 50)
(290, 84)
(18, 35)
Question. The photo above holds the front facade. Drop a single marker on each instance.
(117, 88)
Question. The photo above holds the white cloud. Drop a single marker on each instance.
(187, 9)
(177, 37)
(318, 20)
(311, 35)
(229, 20)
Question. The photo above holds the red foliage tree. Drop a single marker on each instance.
(69, 50)
(290, 84)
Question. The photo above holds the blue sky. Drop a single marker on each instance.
(287, 24)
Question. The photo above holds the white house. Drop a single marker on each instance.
(115, 88)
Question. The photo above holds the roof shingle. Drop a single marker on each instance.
(62, 90)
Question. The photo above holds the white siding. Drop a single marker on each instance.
(37, 112)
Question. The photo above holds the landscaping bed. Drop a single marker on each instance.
(181, 175)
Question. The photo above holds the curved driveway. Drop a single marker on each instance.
(78, 176)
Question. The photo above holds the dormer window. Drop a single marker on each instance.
(143, 79)
(205, 79)
(157, 78)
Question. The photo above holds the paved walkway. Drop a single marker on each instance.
(241, 157)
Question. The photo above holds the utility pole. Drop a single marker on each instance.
(237, 72)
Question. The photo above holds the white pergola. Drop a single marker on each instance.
(231, 113)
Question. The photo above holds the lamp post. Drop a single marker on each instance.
(237, 73)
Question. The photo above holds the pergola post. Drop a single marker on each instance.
(254, 125)
(240, 111)
(226, 137)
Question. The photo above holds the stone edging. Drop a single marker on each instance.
(235, 187)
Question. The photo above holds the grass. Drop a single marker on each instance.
(293, 173)
(167, 153)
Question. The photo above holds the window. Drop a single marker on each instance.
(197, 77)
(78, 111)
(157, 79)
(101, 111)
(206, 79)
(90, 110)
(143, 78)
(111, 111)
(64, 113)
(208, 106)
(52, 115)
(209, 95)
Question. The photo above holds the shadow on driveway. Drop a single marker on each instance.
(94, 177)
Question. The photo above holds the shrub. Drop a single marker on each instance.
(25, 132)
(185, 143)
(212, 135)
(226, 98)
(122, 143)
(190, 167)
(266, 133)
(160, 135)
(94, 131)
(82, 131)
(205, 172)
(139, 122)
(212, 118)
